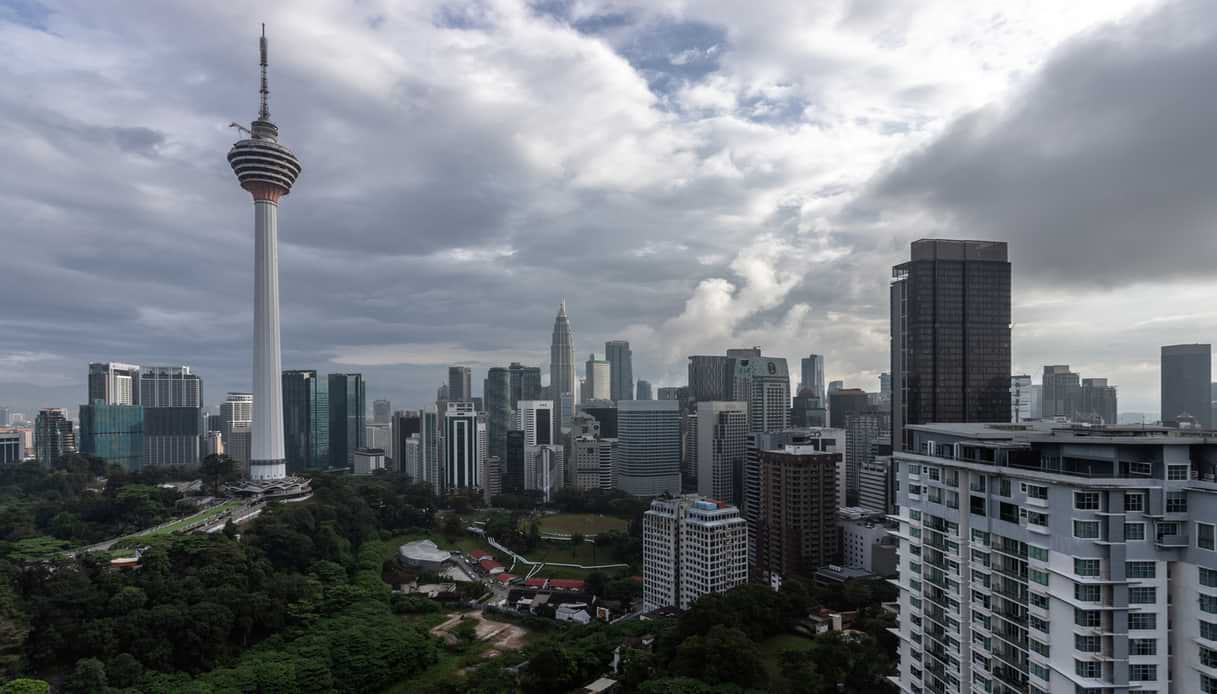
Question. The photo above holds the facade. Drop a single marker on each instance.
(462, 466)
(53, 436)
(513, 464)
(691, 547)
(236, 413)
(763, 383)
(382, 411)
(563, 382)
(460, 384)
(1061, 392)
(1186, 374)
(1047, 558)
(844, 402)
(169, 386)
(606, 418)
(114, 383)
(114, 433)
(430, 451)
(591, 465)
(544, 469)
(598, 380)
(813, 376)
(808, 410)
(306, 421)
(1100, 404)
(172, 399)
(877, 488)
(862, 430)
(796, 531)
(12, 447)
(368, 461)
(648, 447)
(348, 418)
(1025, 399)
(492, 479)
(410, 458)
(644, 390)
(537, 419)
(213, 443)
(404, 425)
(718, 434)
(525, 383)
(711, 378)
(621, 369)
(867, 544)
(950, 335)
(496, 390)
(267, 170)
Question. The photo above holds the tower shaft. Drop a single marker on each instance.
(267, 459)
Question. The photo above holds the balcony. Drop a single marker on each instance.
(1177, 540)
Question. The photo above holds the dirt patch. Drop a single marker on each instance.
(500, 636)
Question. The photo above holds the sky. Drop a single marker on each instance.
(689, 176)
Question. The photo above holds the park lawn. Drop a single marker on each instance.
(773, 647)
(201, 515)
(582, 523)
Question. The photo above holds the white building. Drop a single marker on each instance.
(114, 383)
(368, 460)
(691, 546)
(592, 463)
(464, 446)
(536, 418)
(544, 469)
(411, 459)
(719, 442)
(1026, 399)
(598, 381)
(1057, 560)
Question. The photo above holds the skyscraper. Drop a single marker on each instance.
(267, 170)
(1186, 374)
(496, 391)
(644, 390)
(562, 378)
(599, 380)
(544, 469)
(114, 383)
(1024, 399)
(53, 436)
(382, 411)
(406, 426)
(430, 434)
(306, 420)
(621, 369)
(513, 464)
(862, 430)
(719, 436)
(536, 418)
(525, 383)
(236, 412)
(348, 418)
(691, 546)
(844, 402)
(1062, 392)
(763, 383)
(813, 376)
(796, 525)
(591, 462)
(711, 378)
(648, 447)
(172, 401)
(460, 384)
(950, 335)
(462, 464)
(114, 433)
(1100, 404)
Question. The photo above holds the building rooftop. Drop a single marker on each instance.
(423, 551)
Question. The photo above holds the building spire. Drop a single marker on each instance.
(264, 92)
(562, 309)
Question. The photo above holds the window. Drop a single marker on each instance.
(1038, 670)
(1178, 472)
(1208, 630)
(1208, 658)
(1003, 486)
(1084, 592)
(914, 514)
(1208, 685)
(1208, 604)
(1086, 567)
(1040, 601)
(1038, 647)
(1165, 529)
(952, 499)
(933, 473)
(1142, 673)
(1037, 553)
(1204, 536)
(1086, 530)
(1134, 501)
(1036, 492)
(980, 537)
(1134, 532)
(1176, 502)
(1086, 501)
(1008, 512)
(1143, 647)
(1037, 576)
(1142, 620)
(1140, 569)
(1208, 578)
(952, 477)
(935, 495)
(1142, 595)
(1087, 644)
(1037, 623)
(1037, 518)
(1086, 668)
(1089, 618)
(976, 504)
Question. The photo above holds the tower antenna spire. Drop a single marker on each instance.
(264, 112)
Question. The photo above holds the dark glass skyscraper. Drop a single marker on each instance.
(1187, 372)
(621, 369)
(460, 384)
(306, 421)
(496, 390)
(348, 418)
(950, 335)
(525, 383)
(114, 433)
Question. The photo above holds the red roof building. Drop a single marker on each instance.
(490, 565)
(566, 584)
(534, 583)
(479, 555)
(505, 578)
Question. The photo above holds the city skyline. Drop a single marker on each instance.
(655, 287)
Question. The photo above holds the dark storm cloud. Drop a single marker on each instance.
(1101, 172)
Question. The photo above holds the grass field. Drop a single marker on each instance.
(582, 523)
(772, 648)
(188, 520)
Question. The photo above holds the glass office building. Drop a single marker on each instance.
(348, 418)
(114, 433)
(306, 421)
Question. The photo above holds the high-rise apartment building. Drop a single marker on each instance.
(599, 379)
(1025, 399)
(537, 419)
(306, 421)
(114, 383)
(796, 528)
(562, 379)
(236, 414)
(648, 447)
(862, 430)
(496, 391)
(592, 462)
(643, 390)
(1187, 371)
(348, 418)
(462, 446)
(1045, 558)
(544, 469)
(692, 546)
(813, 376)
(718, 433)
(950, 335)
(114, 433)
(460, 384)
(54, 436)
(382, 412)
(525, 383)
(621, 369)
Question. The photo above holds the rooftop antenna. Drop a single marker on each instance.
(264, 113)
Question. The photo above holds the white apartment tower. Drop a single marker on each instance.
(544, 469)
(691, 546)
(1045, 559)
(536, 418)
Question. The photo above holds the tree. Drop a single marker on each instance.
(576, 540)
(217, 469)
(452, 527)
(25, 685)
(89, 676)
(534, 536)
(597, 582)
(724, 655)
